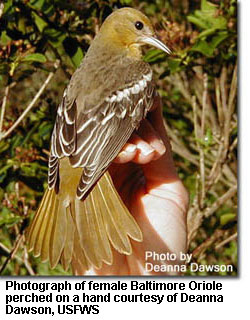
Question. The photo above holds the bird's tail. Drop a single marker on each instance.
(80, 233)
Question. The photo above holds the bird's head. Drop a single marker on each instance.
(130, 29)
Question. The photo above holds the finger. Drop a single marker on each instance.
(127, 153)
(155, 117)
(145, 153)
(142, 148)
(149, 135)
(162, 169)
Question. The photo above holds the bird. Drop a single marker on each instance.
(81, 217)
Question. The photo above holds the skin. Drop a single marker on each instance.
(145, 176)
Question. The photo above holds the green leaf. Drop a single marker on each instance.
(4, 146)
(77, 57)
(126, 2)
(37, 57)
(39, 22)
(154, 55)
(226, 218)
(219, 22)
(174, 64)
(3, 172)
(207, 33)
(203, 47)
(73, 49)
(220, 37)
(45, 130)
(37, 4)
(197, 21)
(15, 141)
(33, 169)
(8, 5)
(207, 48)
(5, 39)
(56, 37)
(43, 5)
(208, 6)
(44, 269)
(231, 251)
(208, 19)
(10, 221)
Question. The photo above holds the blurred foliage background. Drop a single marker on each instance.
(44, 40)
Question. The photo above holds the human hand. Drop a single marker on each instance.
(146, 179)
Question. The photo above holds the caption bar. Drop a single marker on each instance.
(87, 297)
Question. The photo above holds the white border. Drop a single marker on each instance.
(235, 290)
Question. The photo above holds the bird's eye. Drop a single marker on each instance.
(139, 25)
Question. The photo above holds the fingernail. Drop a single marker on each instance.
(163, 148)
(121, 155)
(159, 146)
(145, 150)
(161, 142)
(130, 148)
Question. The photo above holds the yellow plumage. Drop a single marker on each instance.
(69, 230)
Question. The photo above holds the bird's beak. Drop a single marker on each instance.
(155, 43)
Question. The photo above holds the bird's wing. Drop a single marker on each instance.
(63, 141)
(95, 137)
